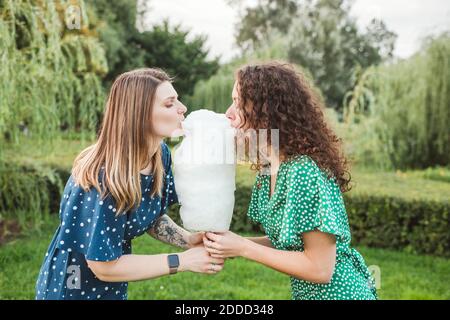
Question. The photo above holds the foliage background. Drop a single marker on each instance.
(391, 113)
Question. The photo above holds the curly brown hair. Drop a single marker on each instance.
(275, 95)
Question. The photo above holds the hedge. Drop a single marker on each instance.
(384, 221)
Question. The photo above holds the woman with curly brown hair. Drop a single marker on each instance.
(299, 203)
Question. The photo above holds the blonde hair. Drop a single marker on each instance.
(126, 142)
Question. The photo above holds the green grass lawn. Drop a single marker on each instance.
(403, 275)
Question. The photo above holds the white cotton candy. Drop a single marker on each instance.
(204, 172)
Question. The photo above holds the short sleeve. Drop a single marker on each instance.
(311, 202)
(90, 225)
(169, 195)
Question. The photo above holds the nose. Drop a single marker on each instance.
(230, 114)
(182, 108)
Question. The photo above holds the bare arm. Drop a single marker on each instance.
(265, 241)
(169, 232)
(131, 268)
(315, 264)
(140, 267)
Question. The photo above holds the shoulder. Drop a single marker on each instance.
(72, 187)
(303, 171)
(302, 167)
(76, 201)
(74, 192)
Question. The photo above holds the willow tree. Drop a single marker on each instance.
(405, 108)
(50, 82)
(50, 75)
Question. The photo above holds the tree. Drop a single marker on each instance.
(322, 37)
(168, 47)
(258, 22)
(50, 75)
(400, 111)
(128, 47)
(116, 24)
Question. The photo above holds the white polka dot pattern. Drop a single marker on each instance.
(305, 199)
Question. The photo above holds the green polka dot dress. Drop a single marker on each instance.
(304, 200)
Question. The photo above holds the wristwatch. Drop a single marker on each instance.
(173, 262)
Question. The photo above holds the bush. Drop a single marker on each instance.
(417, 226)
(397, 210)
(30, 189)
(381, 221)
(406, 219)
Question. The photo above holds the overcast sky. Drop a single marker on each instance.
(410, 19)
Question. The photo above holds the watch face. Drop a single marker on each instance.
(173, 261)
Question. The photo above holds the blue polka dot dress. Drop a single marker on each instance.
(89, 229)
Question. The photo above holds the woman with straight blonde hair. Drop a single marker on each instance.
(120, 188)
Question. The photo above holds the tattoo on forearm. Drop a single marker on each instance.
(169, 232)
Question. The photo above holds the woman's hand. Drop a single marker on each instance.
(198, 260)
(225, 244)
(195, 239)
